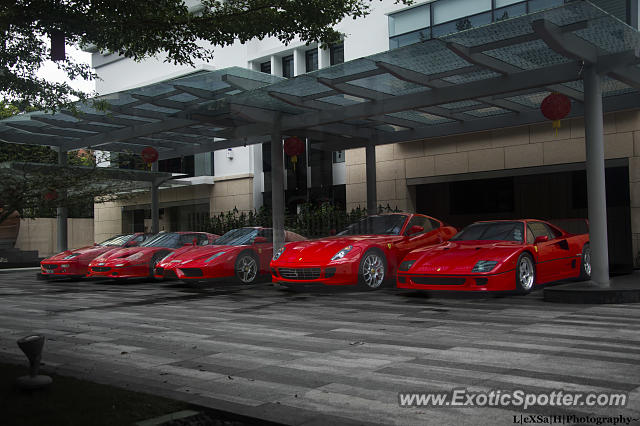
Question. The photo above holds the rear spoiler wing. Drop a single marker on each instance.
(572, 226)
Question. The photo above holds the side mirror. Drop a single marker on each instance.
(259, 240)
(131, 244)
(415, 229)
(541, 239)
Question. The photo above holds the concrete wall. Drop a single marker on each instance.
(527, 146)
(41, 234)
(231, 192)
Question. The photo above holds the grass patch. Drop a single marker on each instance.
(69, 401)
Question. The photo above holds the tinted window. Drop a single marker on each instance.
(287, 66)
(168, 239)
(311, 60)
(492, 231)
(237, 237)
(540, 229)
(377, 225)
(265, 67)
(116, 241)
(336, 53)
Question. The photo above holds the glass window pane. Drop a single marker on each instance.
(287, 66)
(617, 8)
(510, 12)
(461, 24)
(337, 54)
(265, 67)
(409, 20)
(311, 60)
(502, 3)
(448, 10)
(409, 38)
(535, 5)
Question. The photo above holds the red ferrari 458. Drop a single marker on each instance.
(139, 262)
(498, 256)
(75, 263)
(242, 253)
(366, 253)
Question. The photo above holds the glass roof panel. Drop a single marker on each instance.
(420, 117)
(386, 83)
(487, 112)
(342, 100)
(530, 55)
(532, 100)
(469, 77)
(460, 104)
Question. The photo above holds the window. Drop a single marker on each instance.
(445, 11)
(338, 156)
(336, 53)
(409, 20)
(287, 66)
(539, 229)
(265, 67)
(311, 60)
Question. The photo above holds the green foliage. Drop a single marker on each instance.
(141, 29)
(311, 221)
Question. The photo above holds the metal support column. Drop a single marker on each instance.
(277, 187)
(596, 190)
(372, 198)
(62, 211)
(155, 205)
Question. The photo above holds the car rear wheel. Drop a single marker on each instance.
(246, 268)
(372, 271)
(585, 266)
(525, 274)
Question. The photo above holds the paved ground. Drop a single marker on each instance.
(323, 357)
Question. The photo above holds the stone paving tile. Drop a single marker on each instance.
(323, 357)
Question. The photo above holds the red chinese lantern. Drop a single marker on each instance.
(51, 195)
(555, 107)
(149, 155)
(293, 147)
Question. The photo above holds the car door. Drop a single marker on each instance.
(265, 250)
(546, 252)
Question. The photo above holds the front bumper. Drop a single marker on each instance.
(335, 273)
(62, 269)
(505, 281)
(118, 272)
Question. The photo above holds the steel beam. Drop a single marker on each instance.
(596, 185)
(61, 214)
(277, 186)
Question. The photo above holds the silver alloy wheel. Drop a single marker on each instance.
(526, 273)
(586, 262)
(373, 270)
(247, 269)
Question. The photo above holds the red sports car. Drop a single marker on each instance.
(366, 253)
(499, 256)
(242, 253)
(139, 262)
(75, 263)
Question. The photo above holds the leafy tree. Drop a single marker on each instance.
(141, 29)
(33, 188)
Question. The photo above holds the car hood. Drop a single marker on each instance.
(124, 253)
(324, 249)
(461, 256)
(196, 253)
(84, 252)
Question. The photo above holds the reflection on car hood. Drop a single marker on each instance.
(89, 251)
(127, 252)
(323, 249)
(461, 256)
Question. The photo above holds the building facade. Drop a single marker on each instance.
(528, 171)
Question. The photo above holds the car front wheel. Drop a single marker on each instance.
(246, 268)
(373, 267)
(525, 274)
(585, 266)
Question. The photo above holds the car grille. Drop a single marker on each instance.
(438, 280)
(191, 272)
(299, 273)
(100, 268)
(49, 266)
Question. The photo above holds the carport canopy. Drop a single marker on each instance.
(483, 78)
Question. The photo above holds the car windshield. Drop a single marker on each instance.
(389, 224)
(166, 239)
(237, 237)
(492, 231)
(117, 240)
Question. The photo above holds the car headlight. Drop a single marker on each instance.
(484, 266)
(215, 256)
(278, 254)
(71, 256)
(120, 264)
(342, 253)
(406, 265)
